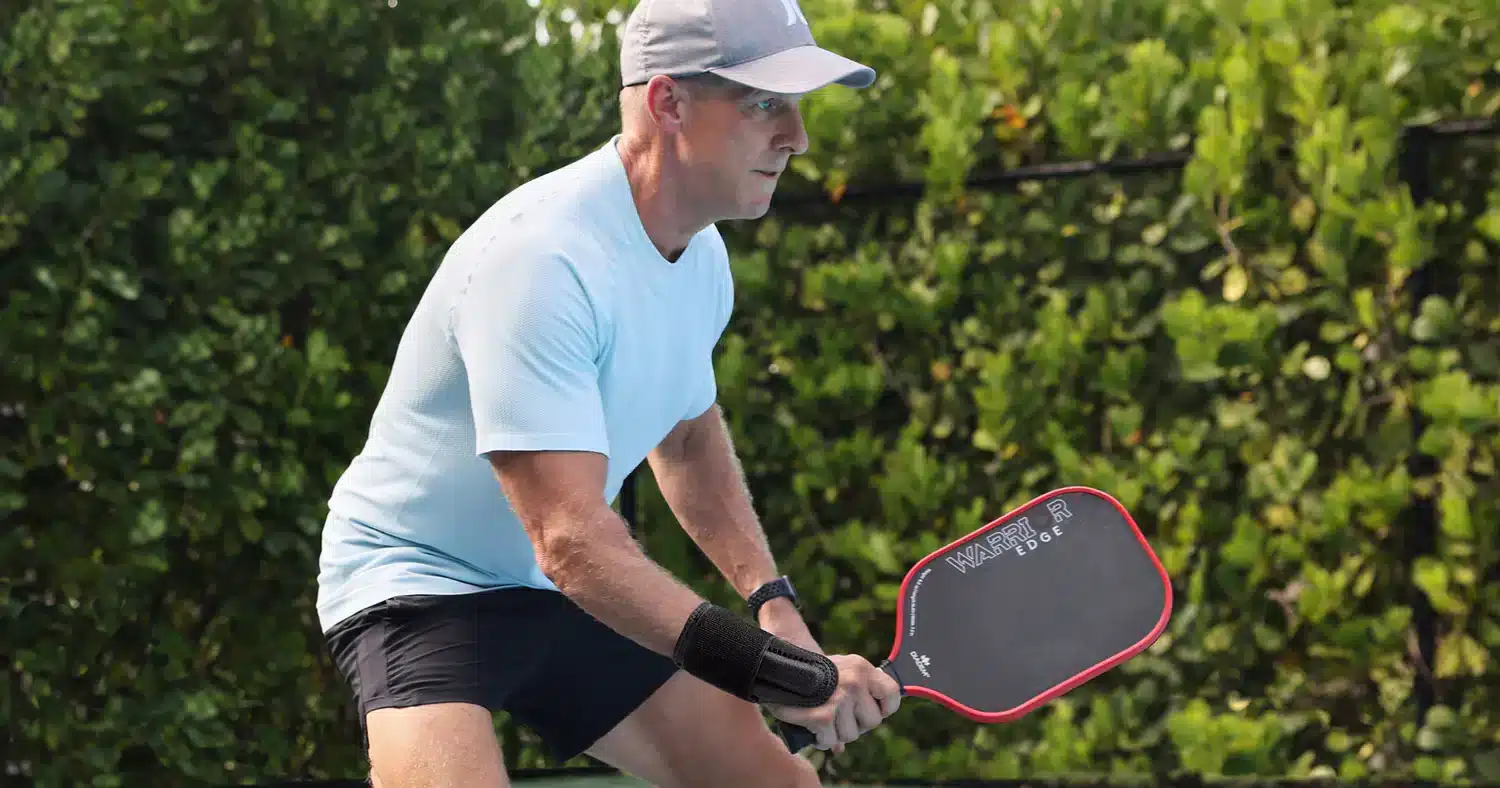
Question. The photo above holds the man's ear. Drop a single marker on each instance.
(666, 103)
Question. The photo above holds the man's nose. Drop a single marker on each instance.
(794, 133)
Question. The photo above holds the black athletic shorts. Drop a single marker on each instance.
(531, 652)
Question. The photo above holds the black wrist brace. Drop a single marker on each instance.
(750, 663)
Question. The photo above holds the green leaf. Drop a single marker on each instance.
(1459, 654)
(150, 523)
(1433, 577)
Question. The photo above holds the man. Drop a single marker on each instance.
(471, 561)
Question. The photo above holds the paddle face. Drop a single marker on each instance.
(1032, 605)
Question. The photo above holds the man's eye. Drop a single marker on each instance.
(766, 105)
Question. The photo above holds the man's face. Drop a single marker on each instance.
(736, 143)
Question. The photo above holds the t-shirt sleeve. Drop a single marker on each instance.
(707, 391)
(529, 339)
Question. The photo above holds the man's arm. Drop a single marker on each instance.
(701, 479)
(585, 549)
(528, 335)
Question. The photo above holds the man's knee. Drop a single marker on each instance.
(803, 773)
(782, 770)
(769, 765)
(437, 746)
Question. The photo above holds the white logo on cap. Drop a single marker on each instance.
(793, 13)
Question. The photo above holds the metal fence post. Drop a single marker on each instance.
(1419, 525)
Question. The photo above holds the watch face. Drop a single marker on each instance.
(785, 587)
(774, 589)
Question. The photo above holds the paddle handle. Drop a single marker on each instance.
(798, 738)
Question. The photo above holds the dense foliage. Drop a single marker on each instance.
(215, 218)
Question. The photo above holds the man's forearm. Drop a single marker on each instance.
(701, 479)
(614, 581)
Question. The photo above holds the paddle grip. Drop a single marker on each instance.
(798, 738)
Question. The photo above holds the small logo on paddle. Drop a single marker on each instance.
(922, 661)
(1018, 537)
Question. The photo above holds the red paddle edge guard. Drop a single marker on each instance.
(1072, 683)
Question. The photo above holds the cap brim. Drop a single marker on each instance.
(799, 70)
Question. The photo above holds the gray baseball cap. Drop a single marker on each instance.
(765, 44)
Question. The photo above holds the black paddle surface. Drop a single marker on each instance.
(1023, 610)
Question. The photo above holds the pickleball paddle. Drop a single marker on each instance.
(1025, 609)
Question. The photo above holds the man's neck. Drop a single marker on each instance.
(665, 212)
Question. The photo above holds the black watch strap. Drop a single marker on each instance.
(772, 589)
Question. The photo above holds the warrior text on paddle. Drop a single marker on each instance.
(1017, 537)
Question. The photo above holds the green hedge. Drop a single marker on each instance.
(215, 218)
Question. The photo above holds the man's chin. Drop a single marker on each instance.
(757, 210)
(755, 207)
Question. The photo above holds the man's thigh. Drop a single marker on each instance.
(591, 679)
(690, 734)
(427, 680)
(439, 745)
(606, 695)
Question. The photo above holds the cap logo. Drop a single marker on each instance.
(793, 13)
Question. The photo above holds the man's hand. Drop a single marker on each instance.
(865, 696)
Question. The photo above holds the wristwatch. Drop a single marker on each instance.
(771, 589)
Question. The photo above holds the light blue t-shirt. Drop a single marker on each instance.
(552, 323)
